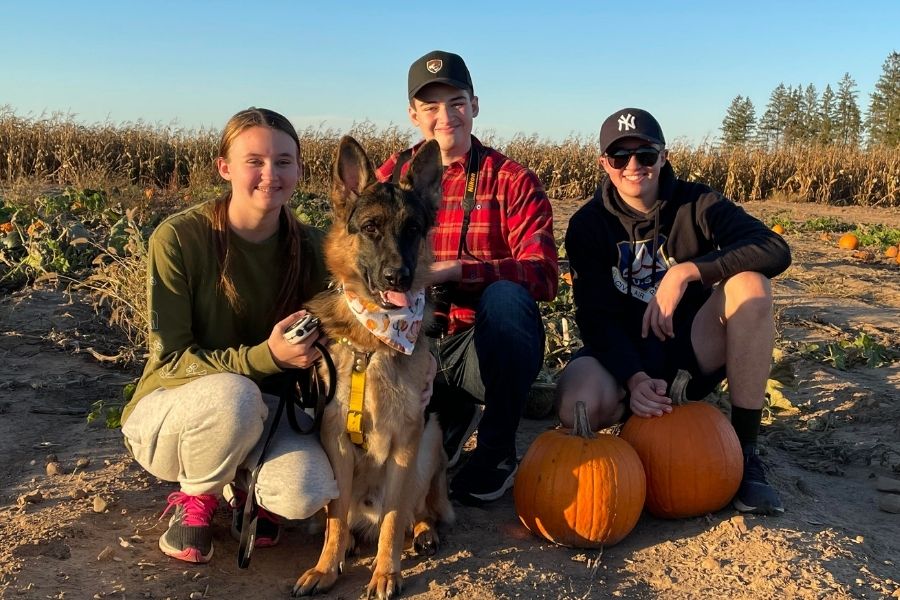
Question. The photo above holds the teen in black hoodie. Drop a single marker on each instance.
(667, 275)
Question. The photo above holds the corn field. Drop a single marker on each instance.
(78, 202)
(55, 150)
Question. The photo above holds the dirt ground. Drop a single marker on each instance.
(90, 531)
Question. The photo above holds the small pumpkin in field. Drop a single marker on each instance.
(579, 489)
(778, 228)
(891, 251)
(692, 456)
(848, 241)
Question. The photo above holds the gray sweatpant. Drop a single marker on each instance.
(210, 432)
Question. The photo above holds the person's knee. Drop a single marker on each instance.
(508, 314)
(294, 500)
(504, 288)
(751, 294)
(296, 483)
(748, 285)
(585, 380)
(235, 402)
(509, 298)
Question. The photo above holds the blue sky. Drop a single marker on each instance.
(545, 68)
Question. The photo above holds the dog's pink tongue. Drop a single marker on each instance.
(396, 298)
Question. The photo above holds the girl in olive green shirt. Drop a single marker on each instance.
(225, 279)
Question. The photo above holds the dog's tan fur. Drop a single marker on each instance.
(399, 479)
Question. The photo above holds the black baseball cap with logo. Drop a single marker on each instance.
(439, 67)
(630, 123)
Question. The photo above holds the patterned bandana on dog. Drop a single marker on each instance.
(398, 327)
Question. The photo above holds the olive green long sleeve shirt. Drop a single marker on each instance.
(194, 331)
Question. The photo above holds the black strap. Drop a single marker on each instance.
(468, 201)
(312, 392)
(287, 400)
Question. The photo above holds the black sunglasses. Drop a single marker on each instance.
(646, 157)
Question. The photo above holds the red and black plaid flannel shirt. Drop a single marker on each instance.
(510, 229)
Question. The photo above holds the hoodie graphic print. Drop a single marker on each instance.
(641, 266)
(619, 256)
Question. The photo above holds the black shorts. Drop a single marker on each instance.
(662, 360)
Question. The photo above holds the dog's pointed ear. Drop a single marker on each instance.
(424, 175)
(352, 172)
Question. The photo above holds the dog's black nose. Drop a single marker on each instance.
(395, 276)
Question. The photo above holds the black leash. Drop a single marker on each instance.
(287, 402)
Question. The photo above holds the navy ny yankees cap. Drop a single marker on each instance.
(439, 67)
(630, 122)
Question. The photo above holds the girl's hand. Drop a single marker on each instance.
(292, 356)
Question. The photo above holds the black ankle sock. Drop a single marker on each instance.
(746, 424)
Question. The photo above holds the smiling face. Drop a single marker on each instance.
(445, 113)
(638, 185)
(263, 167)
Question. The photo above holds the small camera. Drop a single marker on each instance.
(440, 297)
(301, 329)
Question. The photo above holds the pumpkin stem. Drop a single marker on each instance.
(679, 387)
(582, 425)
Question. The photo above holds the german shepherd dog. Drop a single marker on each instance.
(377, 253)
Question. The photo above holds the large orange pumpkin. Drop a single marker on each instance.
(848, 241)
(580, 489)
(892, 251)
(692, 457)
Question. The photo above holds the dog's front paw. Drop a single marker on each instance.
(426, 541)
(314, 582)
(384, 586)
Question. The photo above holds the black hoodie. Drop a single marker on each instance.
(618, 257)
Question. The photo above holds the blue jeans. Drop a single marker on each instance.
(494, 363)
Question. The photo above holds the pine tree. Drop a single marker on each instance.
(883, 121)
(739, 122)
(827, 117)
(811, 123)
(771, 126)
(792, 116)
(848, 124)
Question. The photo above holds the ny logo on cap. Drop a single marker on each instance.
(434, 65)
(626, 122)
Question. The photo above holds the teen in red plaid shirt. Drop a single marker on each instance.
(493, 345)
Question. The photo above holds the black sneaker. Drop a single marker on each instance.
(188, 537)
(755, 494)
(268, 525)
(458, 422)
(483, 479)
